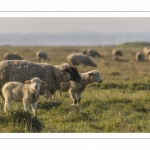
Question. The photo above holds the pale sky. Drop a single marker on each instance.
(63, 25)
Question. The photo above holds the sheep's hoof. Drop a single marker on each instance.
(74, 105)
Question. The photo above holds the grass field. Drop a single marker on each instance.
(120, 104)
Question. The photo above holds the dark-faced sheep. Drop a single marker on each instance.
(91, 52)
(80, 59)
(117, 52)
(42, 55)
(139, 56)
(10, 56)
(22, 70)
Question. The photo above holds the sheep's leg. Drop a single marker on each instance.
(7, 104)
(79, 98)
(73, 97)
(34, 107)
(26, 106)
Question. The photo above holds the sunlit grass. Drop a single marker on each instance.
(121, 103)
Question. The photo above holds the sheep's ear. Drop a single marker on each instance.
(44, 83)
(90, 74)
(28, 82)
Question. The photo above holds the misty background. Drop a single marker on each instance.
(59, 31)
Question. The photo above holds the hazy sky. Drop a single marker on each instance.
(61, 25)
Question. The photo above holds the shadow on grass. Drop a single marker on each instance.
(21, 120)
(49, 104)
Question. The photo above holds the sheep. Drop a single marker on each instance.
(75, 89)
(10, 56)
(139, 56)
(146, 51)
(78, 59)
(42, 55)
(91, 52)
(21, 70)
(117, 52)
(27, 93)
(148, 57)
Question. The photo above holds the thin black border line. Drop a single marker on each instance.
(76, 11)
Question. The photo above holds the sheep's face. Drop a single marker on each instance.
(74, 74)
(95, 76)
(35, 83)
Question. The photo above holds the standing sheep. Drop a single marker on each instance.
(78, 59)
(91, 52)
(26, 93)
(10, 56)
(139, 56)
(22, 70)
(75, 89)
(42, 55)
(117, 52)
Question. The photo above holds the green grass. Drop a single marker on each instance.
(120, 104)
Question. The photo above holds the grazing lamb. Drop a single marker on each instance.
(117, 52)
(10, 56)
(22, 70)
(139, 56)
(75, 89)
(78, 59)
(27, 93)
(42, 55)
(91, 52)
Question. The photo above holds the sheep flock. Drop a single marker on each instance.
(24, 80)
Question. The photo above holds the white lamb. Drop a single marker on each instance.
(75, 89)
(27, 92)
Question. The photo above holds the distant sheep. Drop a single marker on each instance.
(75, 89)
(146, 51)
(117, 52)
(78, 59)
(10, 56)
(42, 55)
(22, 70)
(27, 93)
(139, 56)
(91, 52)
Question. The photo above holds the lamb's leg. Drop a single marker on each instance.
(34, 107)
(79, 98)
(7, 104)
(73, 97)
(26, 106)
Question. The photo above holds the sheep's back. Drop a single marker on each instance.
(25, 70)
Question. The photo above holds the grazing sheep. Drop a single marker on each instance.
(26, 93)
(22, 70)
(139, 56)
(91, 52)
(146, 51)
(75, 89)
(117, 52)
(42, 55)
(78, 59)
(9, 56)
